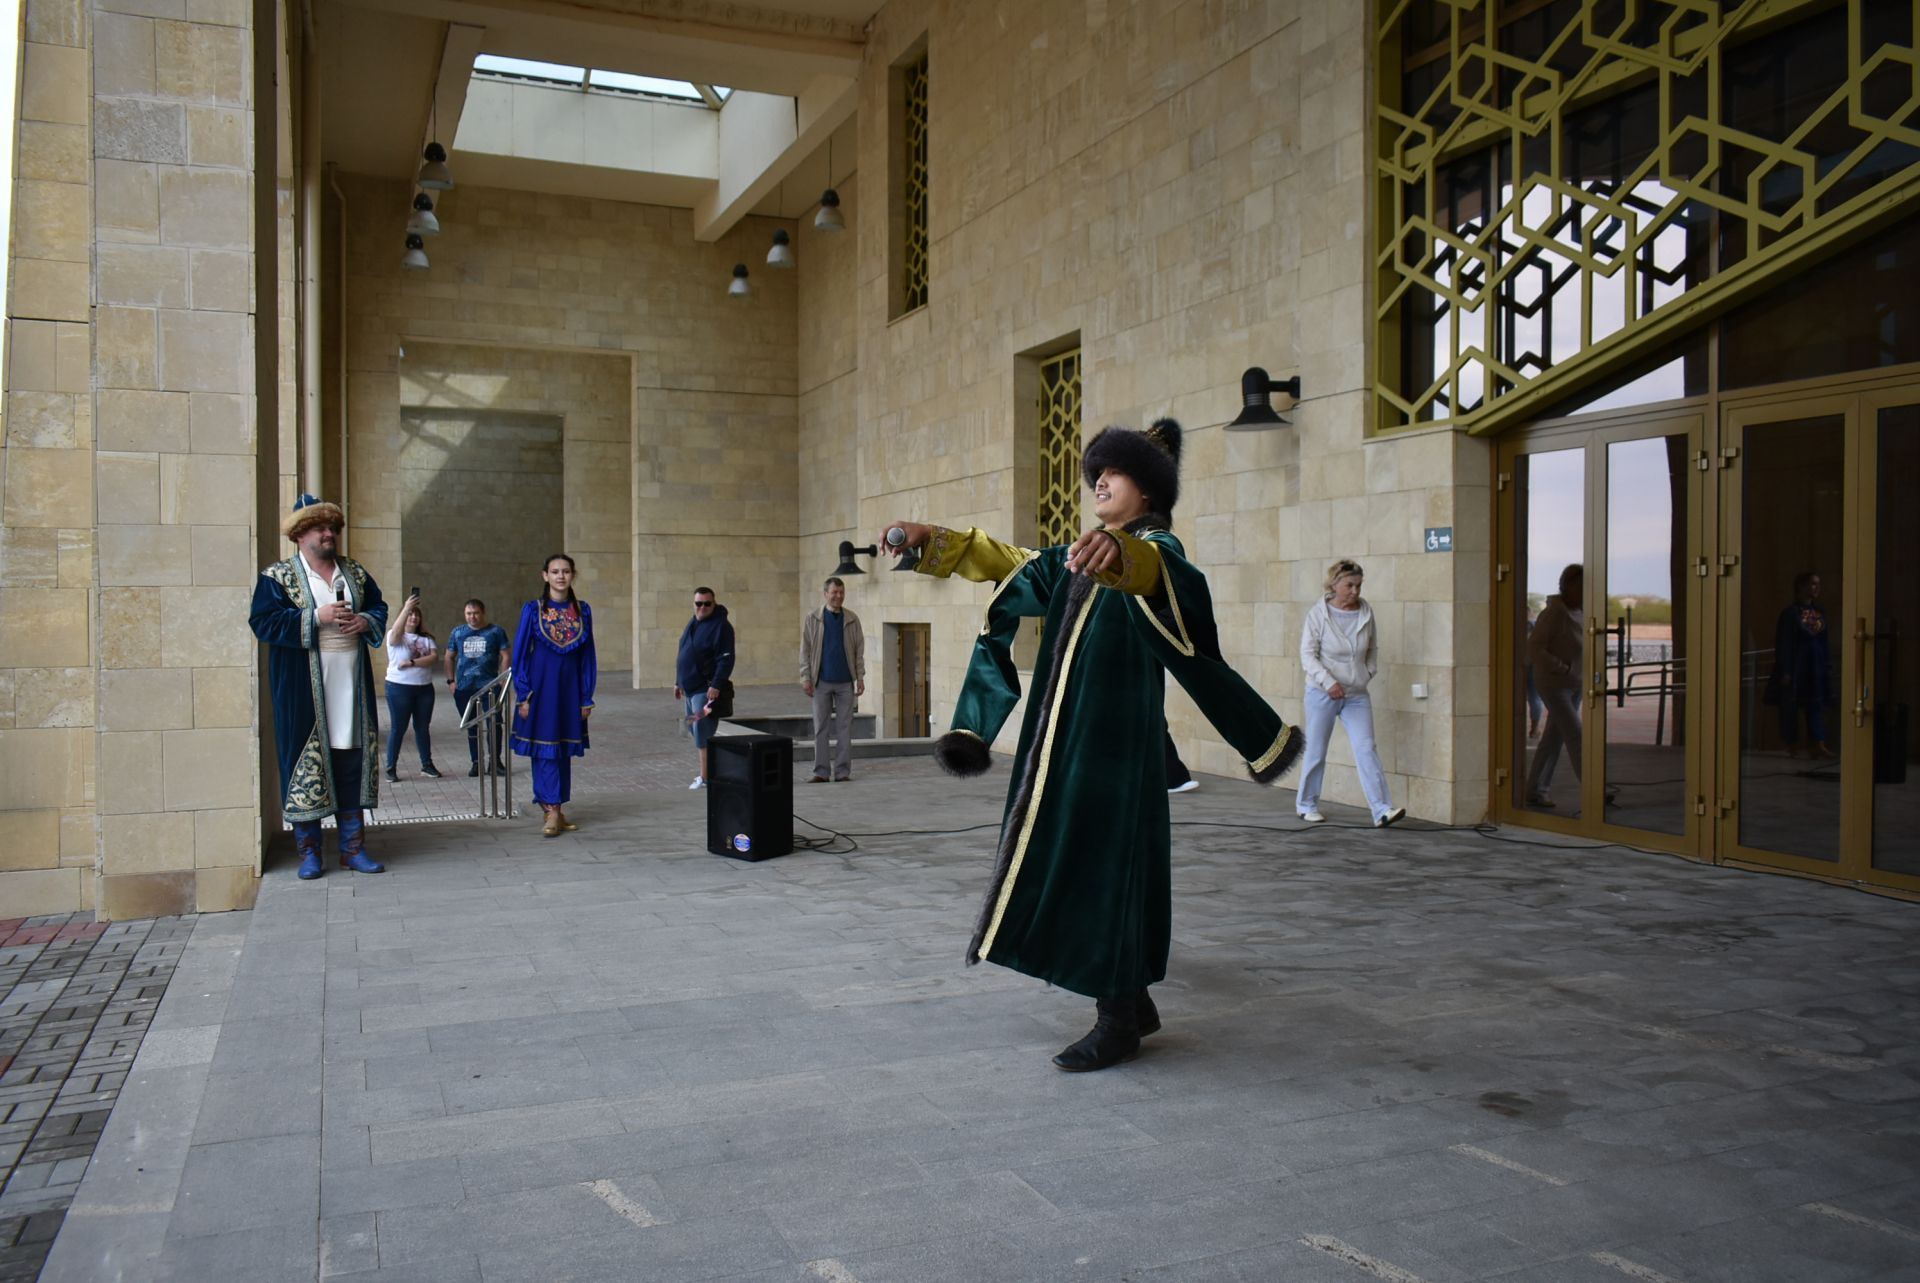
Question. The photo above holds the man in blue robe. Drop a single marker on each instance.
(319, 614)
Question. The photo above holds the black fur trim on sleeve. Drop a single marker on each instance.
(1292, 744)
(962, 753)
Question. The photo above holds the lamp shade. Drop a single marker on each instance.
(423, 222)
(847, 553)
(781, 255)
(415, 258)
(434, 175)
(739, 288)
(829, 218)
(1256, 396)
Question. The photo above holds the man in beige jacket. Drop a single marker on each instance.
(833, 672)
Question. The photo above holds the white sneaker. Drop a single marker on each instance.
(1188, 787)
(699, 782)
(1313, 817)
(1397, 813)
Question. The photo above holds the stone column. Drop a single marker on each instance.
(46, 510)
(173, 388)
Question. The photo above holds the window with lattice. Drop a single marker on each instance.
(1057, 517)
(1566, 188)
(913, 194)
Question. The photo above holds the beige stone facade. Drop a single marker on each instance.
(1180, 190)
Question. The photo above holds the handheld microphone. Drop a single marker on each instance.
(896, 537)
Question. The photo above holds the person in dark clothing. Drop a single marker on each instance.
(705, 662)
(1803, 667)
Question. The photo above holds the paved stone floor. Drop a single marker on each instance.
(75, 998)
(1400, 1055)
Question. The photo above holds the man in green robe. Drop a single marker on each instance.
(1081, 892)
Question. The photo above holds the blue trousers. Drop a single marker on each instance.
(464, 695)
(409, 704)
(552, 780)
(350, 818)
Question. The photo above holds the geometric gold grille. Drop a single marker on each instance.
(1059, 507)
(1576, 189)
(914, 260)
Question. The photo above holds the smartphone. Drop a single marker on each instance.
(414, 591)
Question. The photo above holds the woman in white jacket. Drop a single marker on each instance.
(1338, 648)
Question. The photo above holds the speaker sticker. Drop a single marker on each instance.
(741, 842)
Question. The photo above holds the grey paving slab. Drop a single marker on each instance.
(612, 1055)
(248, 1184)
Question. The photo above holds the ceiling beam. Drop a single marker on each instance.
(753, 49)
(763, 138)
(449, 97)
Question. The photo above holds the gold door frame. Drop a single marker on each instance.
(1592, 435)
(1856, 401)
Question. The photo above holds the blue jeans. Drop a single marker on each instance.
(462, 696)
(409, 704)
(1355, 712)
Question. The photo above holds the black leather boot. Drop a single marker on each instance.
(1115, 1037)
(1145, 1014)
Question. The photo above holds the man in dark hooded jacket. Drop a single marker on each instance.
(705, 664)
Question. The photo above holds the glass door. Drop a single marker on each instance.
(1647, 629)
(1599, 558)
(1886, 640)
(1821, 596)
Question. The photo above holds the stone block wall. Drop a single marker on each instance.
(692, 481)
(465, 437)
(1186, 189)
(128, 766)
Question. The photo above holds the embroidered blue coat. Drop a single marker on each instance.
(554, 671)
(284, 616)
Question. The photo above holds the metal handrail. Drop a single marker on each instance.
(487, 710)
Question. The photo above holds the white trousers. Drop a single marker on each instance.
(1355, 712)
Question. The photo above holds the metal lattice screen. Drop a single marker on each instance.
(1058, 515)
(914, 260)
(1567, 186)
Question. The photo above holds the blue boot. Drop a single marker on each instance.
(306, 840)
(353, 850)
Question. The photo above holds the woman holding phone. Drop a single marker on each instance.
(412, 651)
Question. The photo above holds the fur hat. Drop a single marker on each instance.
(309, 512)
(1150, 458)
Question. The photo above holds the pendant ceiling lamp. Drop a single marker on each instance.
(415, 259)
(434, 175)
(781, 255)
(423, 222)
(829, 218)
(739, 288)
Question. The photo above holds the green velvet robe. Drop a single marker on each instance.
(1081, 893)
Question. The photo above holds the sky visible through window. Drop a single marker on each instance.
(555, 73)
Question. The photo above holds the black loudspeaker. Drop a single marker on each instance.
(750, 796)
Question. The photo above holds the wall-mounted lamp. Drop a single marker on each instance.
(415, 258)
(739, 288)
(1256, 394)
(781, 255)
(423, 222)
(847, 553)
(434, 175)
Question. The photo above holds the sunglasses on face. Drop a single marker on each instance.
(701, 605)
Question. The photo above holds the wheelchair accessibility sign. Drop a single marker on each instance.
(1439, 538)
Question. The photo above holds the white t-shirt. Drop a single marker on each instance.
(414, 647)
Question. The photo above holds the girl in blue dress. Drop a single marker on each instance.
(554, 672)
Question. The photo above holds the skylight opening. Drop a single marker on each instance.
(531, 71)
